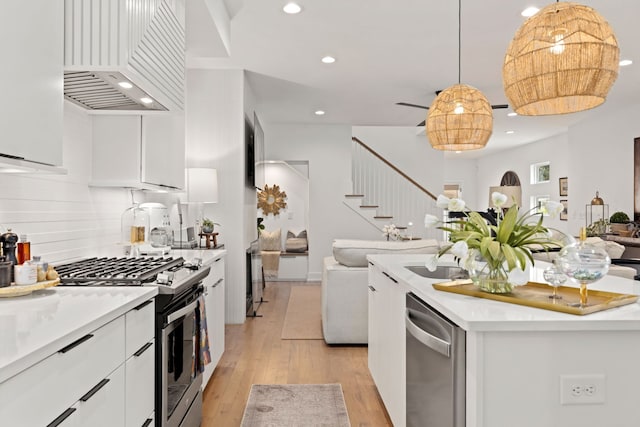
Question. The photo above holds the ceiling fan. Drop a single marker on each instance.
(408, 104)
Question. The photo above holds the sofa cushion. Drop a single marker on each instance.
(353, 253)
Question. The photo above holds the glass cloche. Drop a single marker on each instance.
(583, 264)
(135, 226)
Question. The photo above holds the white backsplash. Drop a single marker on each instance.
(61, 215)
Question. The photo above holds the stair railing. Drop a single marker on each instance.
(397, 195)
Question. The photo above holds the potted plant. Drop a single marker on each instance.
(619, 222)
(208, 225)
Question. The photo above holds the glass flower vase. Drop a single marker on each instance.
(491, 276)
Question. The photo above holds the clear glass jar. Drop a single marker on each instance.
(135, 225)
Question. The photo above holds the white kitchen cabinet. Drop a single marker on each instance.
(86, 382)
(102, 406)
(214, 300)
(140, 364)
(387, 341)
(31, 36)
(138, 151)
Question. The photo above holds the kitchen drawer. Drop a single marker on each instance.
(140, 385)
(217, 270)
(58, 381)
(101, 406)
(139, 326)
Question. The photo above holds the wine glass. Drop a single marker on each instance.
(555, 277)
(583, 264)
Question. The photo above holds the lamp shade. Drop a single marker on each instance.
(513, 193)
(563, 59)
(202, 185)
(460, 118)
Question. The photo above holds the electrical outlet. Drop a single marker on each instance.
(582, 389)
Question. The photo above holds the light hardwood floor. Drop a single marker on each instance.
(255, 354)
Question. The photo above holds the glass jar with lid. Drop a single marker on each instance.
(135, 226)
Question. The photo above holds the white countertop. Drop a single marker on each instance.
(206, 255)
(34, 326)
(478, 314)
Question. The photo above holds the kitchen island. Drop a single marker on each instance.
(521, 362)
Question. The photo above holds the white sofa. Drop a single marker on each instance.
(344, 285)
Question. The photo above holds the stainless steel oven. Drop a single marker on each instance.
(178, 401)
(179, 379)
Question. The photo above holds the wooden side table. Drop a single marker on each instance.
(209, 237)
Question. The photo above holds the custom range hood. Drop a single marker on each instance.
(124, 54)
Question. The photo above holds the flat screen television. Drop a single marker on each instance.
(250, 153)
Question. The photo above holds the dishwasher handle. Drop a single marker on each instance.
(437, 344)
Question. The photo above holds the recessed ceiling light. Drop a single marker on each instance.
(509, 132)
(512, 114)
(625, 62)
(530, 11)
(146, 100)
(328, 59)
(319, 113)
(125, 85)
(458, 152)
(291, 8)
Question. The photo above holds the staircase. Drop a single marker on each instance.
(383, 194)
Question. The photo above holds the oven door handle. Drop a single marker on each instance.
(179, 313)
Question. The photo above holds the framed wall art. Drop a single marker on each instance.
(564, 215)
(564, 186)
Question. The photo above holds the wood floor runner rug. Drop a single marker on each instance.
(308, 405)
(302, 320)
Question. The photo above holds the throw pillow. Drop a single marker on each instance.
(270, 240)
(296, 243)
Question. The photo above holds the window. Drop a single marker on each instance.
(540, 172)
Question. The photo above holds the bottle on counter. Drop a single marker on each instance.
(41, 268)
(24, 249)
(9, 241)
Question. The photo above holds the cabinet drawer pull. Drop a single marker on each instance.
(62, 417)
(219, 259)
(143, 305)
(372, 288)
(390, 278)
(217, 283)
(370, 263)
(94, 390)
(76, 343)
(147, 422)
(143, 349)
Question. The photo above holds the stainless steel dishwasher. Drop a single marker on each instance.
(435, 368)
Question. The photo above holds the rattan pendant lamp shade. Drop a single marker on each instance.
(460, 118)
(562, 60)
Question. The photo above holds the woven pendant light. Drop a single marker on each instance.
(562, 60)
(460, 118)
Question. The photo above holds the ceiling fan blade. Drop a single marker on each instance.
(499, 106)
(406, 104)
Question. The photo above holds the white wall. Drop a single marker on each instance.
(215, 138)
(492, 167)
(61, 215)
(464, 172)
(328, 151)
(601, 159)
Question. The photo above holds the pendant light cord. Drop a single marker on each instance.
(459, 39)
